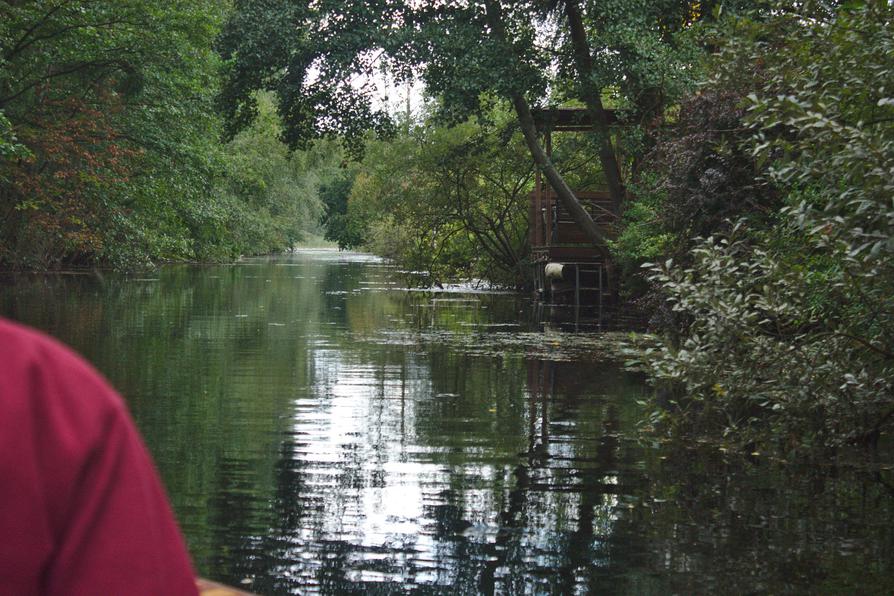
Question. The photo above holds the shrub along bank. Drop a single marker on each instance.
(780, 326)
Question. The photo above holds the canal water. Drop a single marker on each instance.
(322, 429)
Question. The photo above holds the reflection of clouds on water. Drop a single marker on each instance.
(354, 428)
(409, 487)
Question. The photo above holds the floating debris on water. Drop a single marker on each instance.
(549, 345)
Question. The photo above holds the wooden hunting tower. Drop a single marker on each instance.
(568, 268)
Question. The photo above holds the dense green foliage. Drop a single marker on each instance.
(273, 193)
(764, 192)
(118, 159)
(450, 202)
(786, 323)
(320, 59)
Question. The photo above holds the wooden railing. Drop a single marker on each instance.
(552, 225)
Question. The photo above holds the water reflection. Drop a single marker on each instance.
(322, 430)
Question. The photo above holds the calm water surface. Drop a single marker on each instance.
(322, 429)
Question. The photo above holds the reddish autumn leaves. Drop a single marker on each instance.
(56, 201)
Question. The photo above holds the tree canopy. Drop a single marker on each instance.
(109, 141)
(319, 58)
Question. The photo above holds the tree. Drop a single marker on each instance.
(336, 220)
(314, 57)
(496, 20)
(274, 191)
(449, 201)
(110, 149)
(788, 327)
(310, 54)
(111, 101)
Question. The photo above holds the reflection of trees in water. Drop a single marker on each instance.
(739, 524)
(558, 464)
(335, 282)
(467, 549)
(560, 478)
(559, 523)
(532, 482)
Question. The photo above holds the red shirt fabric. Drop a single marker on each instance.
(82, 509)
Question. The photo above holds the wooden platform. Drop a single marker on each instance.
(210, 588)
(556, 238)
(552, 224)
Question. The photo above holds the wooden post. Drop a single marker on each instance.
(577, 285)
(549, 200)
(538, 209)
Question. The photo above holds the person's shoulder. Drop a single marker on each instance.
(22, 348)
(35, 364)
(22, 343)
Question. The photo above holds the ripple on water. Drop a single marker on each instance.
(324, 433)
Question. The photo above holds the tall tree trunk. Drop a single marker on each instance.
(529, 129)
(592, 97)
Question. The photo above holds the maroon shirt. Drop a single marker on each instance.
(82, 510)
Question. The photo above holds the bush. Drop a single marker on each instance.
(787, 332)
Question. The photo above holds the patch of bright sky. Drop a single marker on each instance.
(384, 90)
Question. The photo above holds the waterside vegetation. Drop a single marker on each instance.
(110, 146)
(784, 310)
(747, 147)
